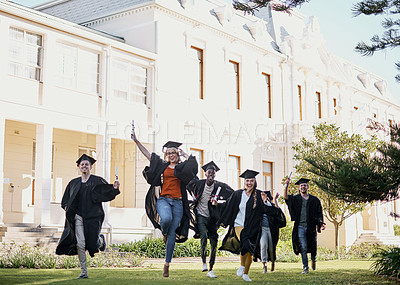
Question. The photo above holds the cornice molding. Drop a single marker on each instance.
(173, 14)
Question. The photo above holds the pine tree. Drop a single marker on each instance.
(254, 5)
(391, 35)
(362, 176)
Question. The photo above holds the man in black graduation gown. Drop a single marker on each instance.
(306, 212)
(82, 202)
(207, 193)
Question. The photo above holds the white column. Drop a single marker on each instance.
(44, 145)
(100, 156)
(103, 145)
(2, 150)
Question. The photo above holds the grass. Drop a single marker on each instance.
(185, 271)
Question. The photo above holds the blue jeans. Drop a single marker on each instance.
(170, 212)
(302, 232)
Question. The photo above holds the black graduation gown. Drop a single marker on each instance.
(315, 219)
(275, 223)
(196, 189)
(184, 171)
(250, 235)
(98, 191)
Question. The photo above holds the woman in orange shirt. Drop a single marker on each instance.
(168, 210)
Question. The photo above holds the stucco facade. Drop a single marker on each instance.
(237, 89)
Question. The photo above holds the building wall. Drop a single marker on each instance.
(18, 171)
(278, 45)
(68, 120)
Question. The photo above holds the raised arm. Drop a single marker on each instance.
(141, 147)
(285, 189)
(276, 200)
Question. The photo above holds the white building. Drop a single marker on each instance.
(234, 88)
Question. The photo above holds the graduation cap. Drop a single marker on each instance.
(249, 174)
(85, 157)
(301, 181)
(210, 165)
(169, 144)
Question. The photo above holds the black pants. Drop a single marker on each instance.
(207, 229)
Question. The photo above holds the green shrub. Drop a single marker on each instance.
(364, 250)
(387, 263)
(155, 248)
(67, 262)
(396, 230)
(285, 234)
(284, 252)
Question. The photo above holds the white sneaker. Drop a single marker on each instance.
(204, 267)
(211, 274)
(305, 270)
(246, 278)
(240, 271)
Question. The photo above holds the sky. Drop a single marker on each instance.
(342, 32)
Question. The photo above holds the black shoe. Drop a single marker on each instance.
(313, 265)
(82, 275)
(103, 243)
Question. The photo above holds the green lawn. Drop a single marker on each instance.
(328, 272)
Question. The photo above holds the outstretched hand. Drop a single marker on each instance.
(287, 182)
(133, 134)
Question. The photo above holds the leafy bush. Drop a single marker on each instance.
(67, 262)
(155, 248)
(364, 250)
(396, 230)
(284, 252)
(285, 234)
(24, 256)
(387, 263)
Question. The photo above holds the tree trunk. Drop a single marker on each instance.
(336, 225)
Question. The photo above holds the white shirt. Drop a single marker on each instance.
(241, 215)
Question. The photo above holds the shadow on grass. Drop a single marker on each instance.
(329, 272)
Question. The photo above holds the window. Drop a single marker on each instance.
(267, 79)
(130, 82)
(300, 102)
(234, 171)
(25, 54)
(235, 83)
(197, 55)
(334, 106)
(198, 153)
(78, 68)
(268, 176)
(318, 105)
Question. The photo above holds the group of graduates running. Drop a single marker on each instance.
(178, 200)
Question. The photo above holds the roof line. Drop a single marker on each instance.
(49, 4)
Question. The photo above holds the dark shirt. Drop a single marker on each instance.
(303, 213)
(80, 199)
